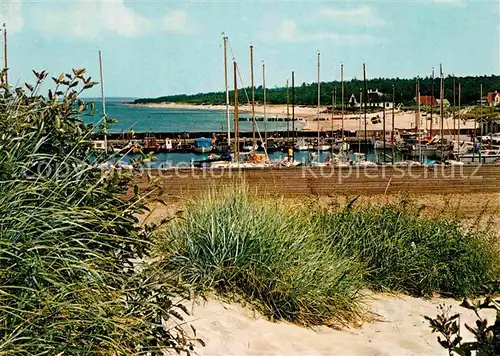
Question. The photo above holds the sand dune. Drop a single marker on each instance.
(230, 329)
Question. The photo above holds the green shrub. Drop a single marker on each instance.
(486, 335)
(70, 248)
(233, 243)
(405, 252)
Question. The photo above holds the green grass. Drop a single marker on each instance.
(72, 277)
(233, 243)
(310, 266)
(405, 252)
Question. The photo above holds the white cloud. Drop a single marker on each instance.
(451, 2)
(177, 22)
(118, 18)
(10, 14)
(92, 18)
(288, 31)
(363, 15)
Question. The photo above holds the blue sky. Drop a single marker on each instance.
(153, 48)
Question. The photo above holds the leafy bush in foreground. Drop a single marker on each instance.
(70, 249)
(486, 337)
(233, 243)
(405, 252)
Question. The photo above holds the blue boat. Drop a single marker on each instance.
(202, 145)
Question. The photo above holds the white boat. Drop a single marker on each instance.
(452, 162)
(488, 139)
(482, 156)
(424, 149)
(250, 147)
(407, 163)
(322, 148)
(301, 145)
(365, 164)
(168, 145)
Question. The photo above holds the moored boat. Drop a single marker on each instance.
(202, 145)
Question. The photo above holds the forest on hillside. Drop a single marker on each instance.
(306, 94)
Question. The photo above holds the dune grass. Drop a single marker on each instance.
(233, 243)
(407, 253)
(72, 277)
(311, 266)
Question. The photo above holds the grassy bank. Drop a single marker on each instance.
(233, 243)
(310, 265)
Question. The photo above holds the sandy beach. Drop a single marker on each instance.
(307, 115)
(399, 328)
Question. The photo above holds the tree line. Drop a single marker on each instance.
(306, 94)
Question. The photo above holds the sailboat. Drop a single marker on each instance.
(319, 146)
(302, 145)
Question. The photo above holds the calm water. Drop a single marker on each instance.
(168, 160)
(142, 119)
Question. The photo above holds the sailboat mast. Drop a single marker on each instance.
(293, 112)
(481, 112)
(5, 65)
(393, 143)
(441, 110)
(319, 96)
(103, 98)
(265, 102)
(419, 122)
(228, 123)
(287, 114)
(334, 94)
(236, 116)
(342, 103)
(253, 100)
(458, 134)
(454, 106)
(383, 118)
(432, 102)
(359, 122)
(366, 100)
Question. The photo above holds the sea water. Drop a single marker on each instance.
(144, 119)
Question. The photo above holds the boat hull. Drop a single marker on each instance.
(479, 158)
(203, 149)
(322, 148)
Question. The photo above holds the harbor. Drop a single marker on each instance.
(369, 129)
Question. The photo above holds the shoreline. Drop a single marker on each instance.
(404, 121)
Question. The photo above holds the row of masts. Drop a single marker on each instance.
(254, 126)
(418, 121)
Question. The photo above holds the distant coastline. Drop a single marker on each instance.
(306, 116)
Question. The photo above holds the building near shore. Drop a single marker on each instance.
(376, 99)
(493, 98)
(428, 100)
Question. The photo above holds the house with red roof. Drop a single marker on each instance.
(428, 100)
(494, 98)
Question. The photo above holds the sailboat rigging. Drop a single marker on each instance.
(228, 122)
(253, 100)
(103, 98)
